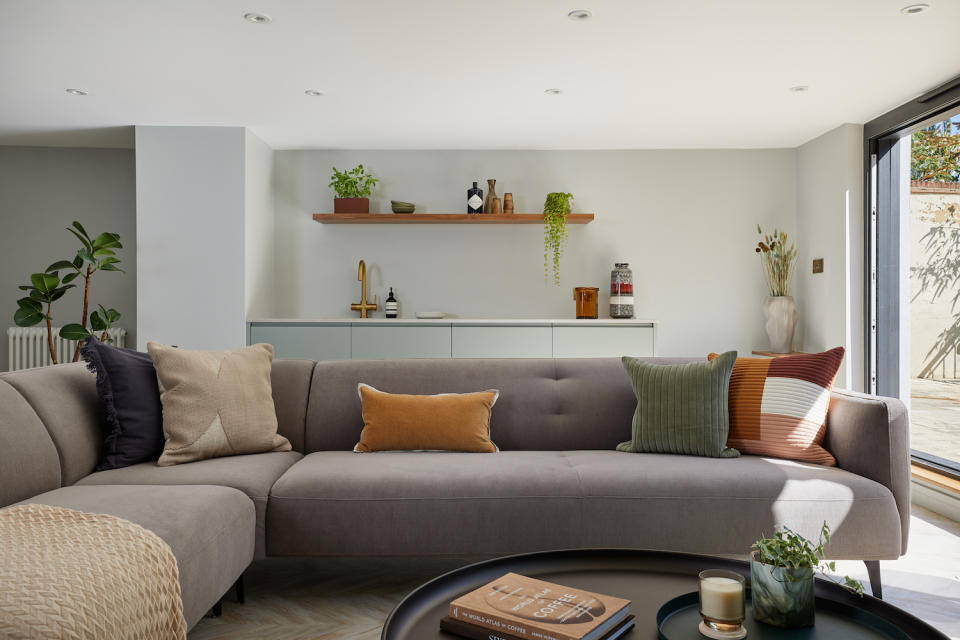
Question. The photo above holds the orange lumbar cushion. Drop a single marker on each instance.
(444, 422)
(778, 406)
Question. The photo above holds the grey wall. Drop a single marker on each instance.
(42, 190)
(830, 226)
(190, 236)
(684, 220)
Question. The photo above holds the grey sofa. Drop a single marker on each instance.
(556, 483)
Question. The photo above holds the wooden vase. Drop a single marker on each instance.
(491, 196)
(508, 204)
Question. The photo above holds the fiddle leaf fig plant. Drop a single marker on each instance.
(44, 289)
(555, 210)
(789, 550)
(95, 254)
(355, 183)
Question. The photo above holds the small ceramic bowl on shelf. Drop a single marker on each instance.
(402, 207)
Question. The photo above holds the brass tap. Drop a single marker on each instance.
(363, 306)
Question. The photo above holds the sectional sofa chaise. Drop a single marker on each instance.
(556, 482)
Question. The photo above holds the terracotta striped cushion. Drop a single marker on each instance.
(778, 406)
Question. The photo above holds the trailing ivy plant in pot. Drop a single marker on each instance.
(778, 260)
(555, 210)
(781, 577)
(353, 189)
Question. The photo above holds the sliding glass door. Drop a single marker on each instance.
(913, 231)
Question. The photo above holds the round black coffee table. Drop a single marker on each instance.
(647, 578)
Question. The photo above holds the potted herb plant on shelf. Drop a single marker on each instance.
(781, 577)
(555, 210)
(353, 189)
(778, 260)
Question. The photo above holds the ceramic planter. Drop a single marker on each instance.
(781, 315)
(782, 597)
(351, 205)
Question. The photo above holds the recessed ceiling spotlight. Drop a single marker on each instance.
(257, 18)
(800, 88)
(553, 92)
(579, 14)
(313, 93)
(914, 9)
(76, 92)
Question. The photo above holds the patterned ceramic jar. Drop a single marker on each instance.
(621, 291)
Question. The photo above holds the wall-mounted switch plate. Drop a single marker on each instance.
(818, 265)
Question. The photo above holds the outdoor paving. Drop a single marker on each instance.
(935, 417)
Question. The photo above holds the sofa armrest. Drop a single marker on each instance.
(870, 436)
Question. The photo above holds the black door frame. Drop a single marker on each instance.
(879, 138)
(882, 165)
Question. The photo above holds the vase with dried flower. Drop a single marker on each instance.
(778, 260)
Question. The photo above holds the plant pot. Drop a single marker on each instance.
(781, 315)
(782, 597)
(351, 205)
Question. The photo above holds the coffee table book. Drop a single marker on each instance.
(531, 609)
(473, 632)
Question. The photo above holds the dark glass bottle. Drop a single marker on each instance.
(390, 306)
(475, 199)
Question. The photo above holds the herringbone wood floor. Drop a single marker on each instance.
(321, 598)
(348, 599)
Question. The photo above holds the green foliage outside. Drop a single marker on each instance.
(935, 152)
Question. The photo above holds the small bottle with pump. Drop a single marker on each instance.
(390, 306)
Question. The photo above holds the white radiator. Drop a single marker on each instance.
(28, 346)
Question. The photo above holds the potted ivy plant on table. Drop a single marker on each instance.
(353, 190)
(782, 569)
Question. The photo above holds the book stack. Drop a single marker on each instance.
(514, 607)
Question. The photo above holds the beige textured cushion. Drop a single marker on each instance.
(216, 403)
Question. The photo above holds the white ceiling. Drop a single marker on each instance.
(455, 74)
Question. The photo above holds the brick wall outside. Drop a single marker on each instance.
(931, 186)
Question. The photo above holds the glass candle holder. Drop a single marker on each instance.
(723, 604)
(586, 299)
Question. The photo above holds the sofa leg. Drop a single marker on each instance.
(873, 572)
(217, 610)
(238, 589)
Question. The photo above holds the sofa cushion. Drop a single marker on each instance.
(28, 459)
(720, 506)
(440, 503)
(778, 406)
(210, 530)
(439, 422)
(130, 413)
(682, 408)
(290, 382)
(545, 403)
(71, 416)
(216, 403)
(253, 474)
(415, 503)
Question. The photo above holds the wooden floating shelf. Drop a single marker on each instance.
(443, 218)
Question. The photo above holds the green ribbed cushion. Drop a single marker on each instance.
(681, 408)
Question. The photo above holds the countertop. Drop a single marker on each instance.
(509, 322)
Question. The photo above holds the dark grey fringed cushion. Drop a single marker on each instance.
(130, 413)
